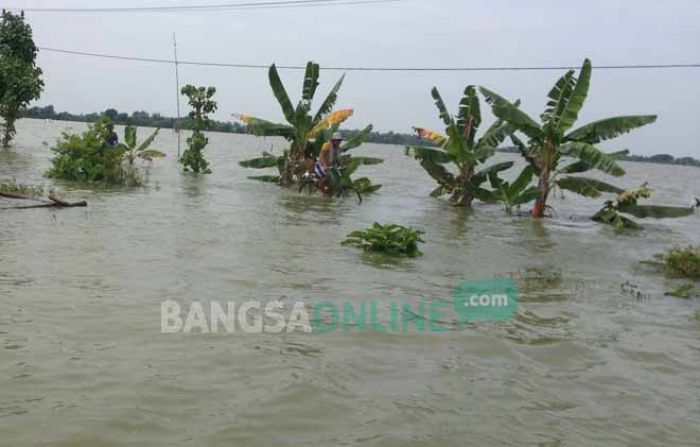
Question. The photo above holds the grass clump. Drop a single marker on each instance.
(391, 239)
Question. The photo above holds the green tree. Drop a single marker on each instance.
(200, 99)
(20, 78)
(552, 139)
(461, 147)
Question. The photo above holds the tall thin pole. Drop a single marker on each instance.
(177, 96)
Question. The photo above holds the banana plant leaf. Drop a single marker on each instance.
(524, 179)
(151, 153)
(506, 111)
(587, 187)
(364, 186)
(559, 97)
(611, 217)
(330, 100)
(357, 140)
(482, 175)
(608, 128)
(262, 162)
(656, 211)
(265, 178)
(438, 173)
(130, 136)
(281, 94)
(571, 109)
(368, 160)
(437, 192)
(147, 142)
(426, 153)
(440, 104)
(310, 81)
(593, 157)
(526, 196)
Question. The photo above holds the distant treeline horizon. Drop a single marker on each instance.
(142, 118)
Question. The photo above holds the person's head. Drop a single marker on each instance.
(336, 139)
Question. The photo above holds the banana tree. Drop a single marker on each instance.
(626, 203)
(302, 127)
(340, 182)
(459, 146)
(132, 150)
(550, 140)
(514, 194)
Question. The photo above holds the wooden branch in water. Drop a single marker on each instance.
(54, 201)
(11, 195)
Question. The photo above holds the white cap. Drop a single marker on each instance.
(337, 136)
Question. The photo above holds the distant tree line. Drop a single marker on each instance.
(138, 118)
(142, 118)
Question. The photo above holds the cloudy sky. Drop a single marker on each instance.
(419, 33)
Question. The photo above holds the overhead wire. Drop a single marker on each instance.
(211, 7)
(377, 69)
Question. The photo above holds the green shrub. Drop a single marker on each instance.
(390, 238)
(89, 158)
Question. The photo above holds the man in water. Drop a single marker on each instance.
(327, 159)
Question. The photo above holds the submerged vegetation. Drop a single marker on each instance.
(200, 99)
(681, 262)
(626, 203)
(459, 146)
(307, 132)
(96, 155)
(683, 291)
(20, 78)
(391, 239)
(302, 127)
(551, 140)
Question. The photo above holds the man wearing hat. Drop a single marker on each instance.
(328, 158)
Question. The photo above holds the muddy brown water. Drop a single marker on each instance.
(83, 361)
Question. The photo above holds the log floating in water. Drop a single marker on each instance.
(54, 201)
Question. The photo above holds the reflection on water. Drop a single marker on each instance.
(82, 357)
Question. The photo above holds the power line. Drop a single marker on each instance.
(225, 6)
(389, 69)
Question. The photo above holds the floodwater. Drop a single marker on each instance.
(83, 361)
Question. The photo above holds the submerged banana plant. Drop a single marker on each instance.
(552, 139)
(626, 203)
(391, 239)
(141, 151)
(512, 194)
(304, 129)
(460, 147)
